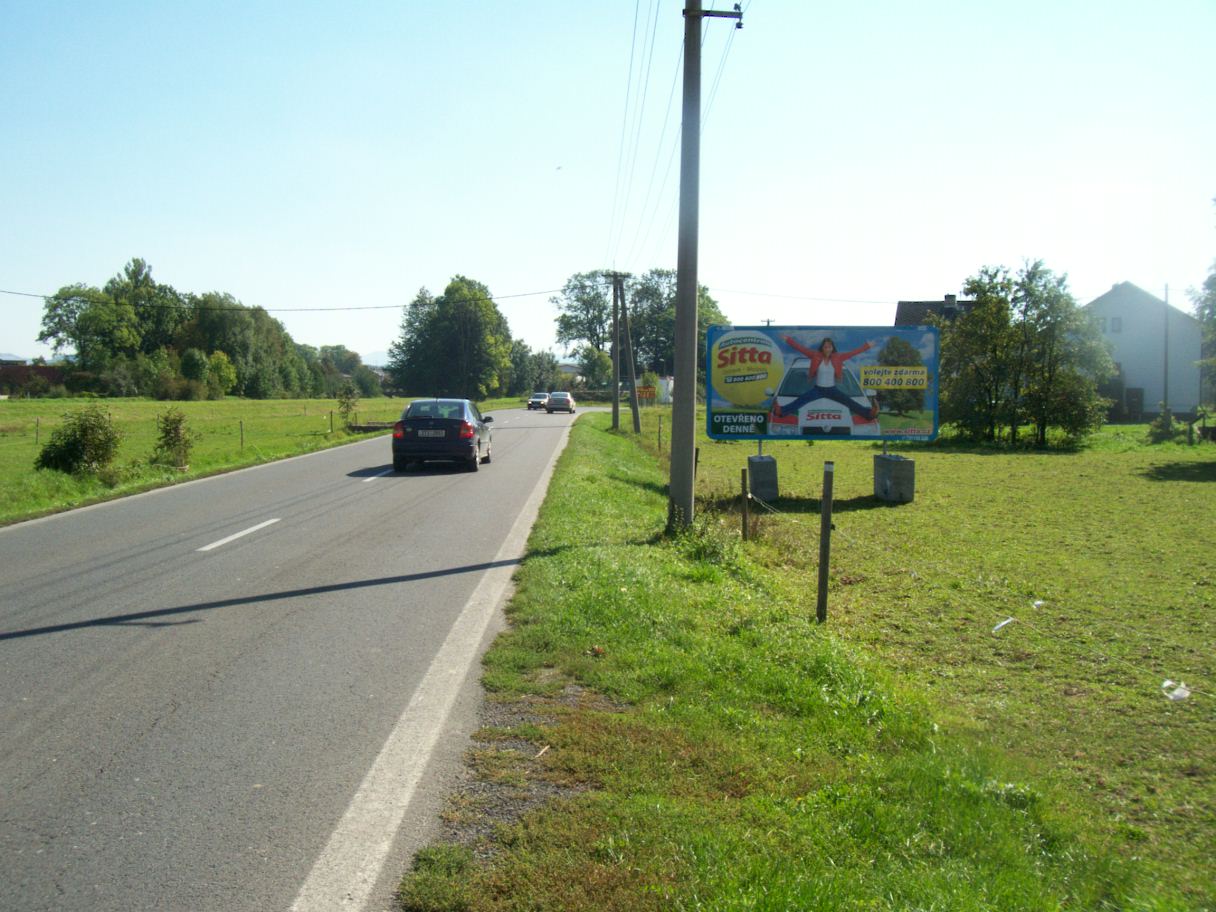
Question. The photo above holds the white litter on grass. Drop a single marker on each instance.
(1004, 623)
(1180, 691)
(1039, 603)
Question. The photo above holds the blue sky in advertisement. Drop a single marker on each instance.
(843, 382)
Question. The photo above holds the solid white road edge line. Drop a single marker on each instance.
(345, 873)
(224, 541)
(379, 475)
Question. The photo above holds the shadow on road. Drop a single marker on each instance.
(145, 618)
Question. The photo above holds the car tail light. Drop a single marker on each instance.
(398, 430)
(466, 431)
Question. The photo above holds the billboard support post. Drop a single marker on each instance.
(825, 542)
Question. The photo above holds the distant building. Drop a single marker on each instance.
(1134, 323)
(917, 313)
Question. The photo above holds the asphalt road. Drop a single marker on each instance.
(195, 721)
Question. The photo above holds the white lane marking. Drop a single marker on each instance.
(345, 873)
(234, 537)
(379, 475)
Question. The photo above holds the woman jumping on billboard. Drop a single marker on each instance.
(825, 369)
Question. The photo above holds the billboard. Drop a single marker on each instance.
(825, 383)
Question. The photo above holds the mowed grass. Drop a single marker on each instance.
(1105, 559)
(726, 752)
(273, 429)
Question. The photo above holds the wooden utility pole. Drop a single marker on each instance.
(616, 361)
(618, 282)
(684, 399)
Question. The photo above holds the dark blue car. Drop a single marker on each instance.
(451, 430)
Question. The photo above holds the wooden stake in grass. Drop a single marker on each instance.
(746, 506)
(825, 542)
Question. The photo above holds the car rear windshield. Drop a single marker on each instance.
(435, 408)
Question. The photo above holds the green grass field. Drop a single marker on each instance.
(272, 429)
(723, 751)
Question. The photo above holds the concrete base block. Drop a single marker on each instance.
(894, 478)
(762, 477)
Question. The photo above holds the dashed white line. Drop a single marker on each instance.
(234, 537)
(379, 475)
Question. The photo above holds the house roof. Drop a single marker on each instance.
(1127, 293)
(917, 313)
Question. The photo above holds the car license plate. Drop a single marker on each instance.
(431, 432)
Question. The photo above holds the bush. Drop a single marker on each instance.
(87, 441)
(1164, 428)
(348, 401)
(176, 439)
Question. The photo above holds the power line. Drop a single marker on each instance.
(641, 94)
(241, 307)
(620, 155)
(649, 216)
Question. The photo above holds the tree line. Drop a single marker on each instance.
(136, 336)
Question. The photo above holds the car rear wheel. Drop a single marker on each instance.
(400, 465)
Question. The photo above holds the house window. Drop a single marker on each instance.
(1116, 324)
(1102, 325)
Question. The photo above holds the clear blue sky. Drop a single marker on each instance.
(311, 155)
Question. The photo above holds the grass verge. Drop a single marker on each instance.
(232, 433)
(735, 755)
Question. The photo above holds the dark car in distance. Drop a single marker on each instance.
(451, 430)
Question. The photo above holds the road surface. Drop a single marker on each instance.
(245, 692)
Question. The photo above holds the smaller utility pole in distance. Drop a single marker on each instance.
(616, 362)
(618, 293)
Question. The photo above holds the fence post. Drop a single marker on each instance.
(660, 435)
(825, 542)
(331, 421)
(37, 429)
(746, 505)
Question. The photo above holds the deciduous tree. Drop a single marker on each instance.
(457, 344)
(585, 310)
(1204, 300)
(1023, 352)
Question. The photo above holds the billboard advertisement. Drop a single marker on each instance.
(826, 383)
